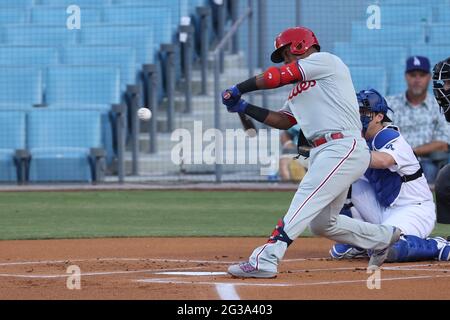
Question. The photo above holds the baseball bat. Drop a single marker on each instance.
(247, 123)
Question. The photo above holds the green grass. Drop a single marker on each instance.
(44, 215)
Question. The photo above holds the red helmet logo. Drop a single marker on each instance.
(300, 39)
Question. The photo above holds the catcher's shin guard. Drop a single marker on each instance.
(279, 234)
(412, 248)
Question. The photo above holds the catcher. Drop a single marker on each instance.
(393, 191)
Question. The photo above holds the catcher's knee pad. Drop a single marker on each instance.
(412, 248)
(279, 234)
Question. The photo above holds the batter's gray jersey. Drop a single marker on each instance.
(325, 101)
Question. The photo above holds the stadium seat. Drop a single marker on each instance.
(51, 16)
(388, 57)
(158, 17)
(40, 35)
(405, 14)
(123, 58)
(356, 54)
(182, 5)
(388, 35)
(82, 85)
(17, 3)
(80, 3)
(12, 138)
(396, 83)
(438, 34)
(139, 37)
(84, 88)
(13, 15)
(20, 87)
(434, 53)
(28, 56)
(442, 14)
(60, 143)
(369, 77)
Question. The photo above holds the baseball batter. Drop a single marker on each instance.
(324, 104)
(393, 190)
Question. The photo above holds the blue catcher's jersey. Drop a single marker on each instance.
(387, 183)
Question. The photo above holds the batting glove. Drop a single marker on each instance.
(240, 106)
(231, 96)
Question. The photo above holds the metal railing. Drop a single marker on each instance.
(218, 63)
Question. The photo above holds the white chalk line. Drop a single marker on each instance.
(227, 291)
(256, 284)
(100, 273)
(16, 263)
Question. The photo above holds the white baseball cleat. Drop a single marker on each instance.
(246, 270)
(377, 257)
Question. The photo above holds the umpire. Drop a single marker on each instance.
(441, 90)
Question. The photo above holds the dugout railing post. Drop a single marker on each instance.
(234, 7)
(217, 90)
(169, 69)
(120, 111)
(186, 39)
(151, 82)
(204, 13)
(133, 98)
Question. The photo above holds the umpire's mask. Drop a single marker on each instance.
(441, 86)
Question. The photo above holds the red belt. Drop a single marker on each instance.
(324, 139)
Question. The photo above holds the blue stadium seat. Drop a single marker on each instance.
(182, 5)
(13, 15)
(405, 14)
(123, 58)
(159, 17)
(434, 53)
(442, 14)
(366, 77)
(80, 3)
(12, 138)
(388, 35)
(28, 56)
(17, 3)
(438, 34)
(82, 85)
(139, 37)
(51, 16)
(60, 141)
(388, 57)
(86, 88)
(20, 87)
(40, 35)
(396, 83)
(356, 54)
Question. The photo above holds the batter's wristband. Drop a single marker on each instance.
(257, 113)
(247, 86)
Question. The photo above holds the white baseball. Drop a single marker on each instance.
(144, 114)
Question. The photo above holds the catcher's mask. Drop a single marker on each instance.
(370, 103)
(441, 76)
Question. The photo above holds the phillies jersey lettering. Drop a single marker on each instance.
(325, 101)
(300, 87)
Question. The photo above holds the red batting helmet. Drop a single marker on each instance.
(300, 40)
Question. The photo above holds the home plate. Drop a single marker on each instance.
(192, 273)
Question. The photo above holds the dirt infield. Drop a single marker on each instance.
(194, 268)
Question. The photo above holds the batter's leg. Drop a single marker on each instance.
(320, 196)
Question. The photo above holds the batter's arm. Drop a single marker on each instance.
(272, 78)
(381, 160)
(274, 119)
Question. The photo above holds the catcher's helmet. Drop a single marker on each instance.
(371, 100)
(441, 75)
(300, 39)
